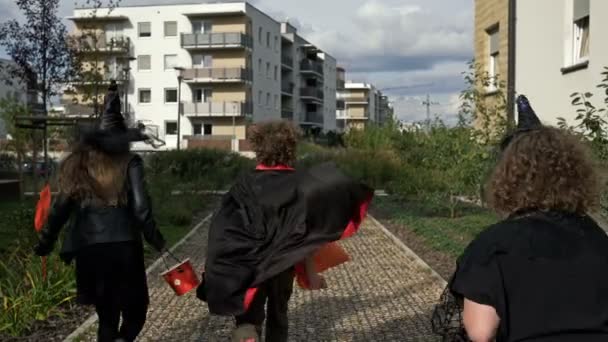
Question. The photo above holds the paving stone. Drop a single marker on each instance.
(383, 294)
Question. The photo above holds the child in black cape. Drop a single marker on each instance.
(271, 220)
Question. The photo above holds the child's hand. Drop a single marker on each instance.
(316, 281)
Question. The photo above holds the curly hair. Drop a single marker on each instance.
(274, 142)
(544, 169)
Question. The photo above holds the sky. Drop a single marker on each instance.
(407, 48)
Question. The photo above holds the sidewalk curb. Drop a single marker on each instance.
(407, 250)
(93, 318)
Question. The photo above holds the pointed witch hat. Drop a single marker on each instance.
(527, 121)
(112, 134)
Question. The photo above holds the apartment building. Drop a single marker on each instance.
(559, 53)
(228, 64)
(360, 106)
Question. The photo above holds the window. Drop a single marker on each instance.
(170, 95)
(201, 95)
(267, 99)
(143, 62)
(144, 29)
(202, 61)
(201, 26)
(197, 129)
(170, 62)
(268, 39)
(170, 128)
(145, 95)
(207, 129)
(276, 73)
(493, 36)
(260, 65)
(268, 69)
(260, 97)
(276, 102)
(580, 31)
(276, 43)
(260, 35)
(170, 28)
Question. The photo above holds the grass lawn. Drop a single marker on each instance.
(431, 222)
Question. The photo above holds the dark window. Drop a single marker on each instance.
(197, 129)
(170, 128)
(208, 128)
(170, 95)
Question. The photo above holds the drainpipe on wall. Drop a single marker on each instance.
(511, 62)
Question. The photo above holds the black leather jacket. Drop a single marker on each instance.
(93, 225)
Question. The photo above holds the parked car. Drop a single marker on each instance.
(38, 168)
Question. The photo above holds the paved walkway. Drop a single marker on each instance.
(384, 294)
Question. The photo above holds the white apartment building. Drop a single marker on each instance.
(561, 48)
(239, 66)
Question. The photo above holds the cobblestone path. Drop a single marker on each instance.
(384, 294)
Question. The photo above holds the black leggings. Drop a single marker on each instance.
(133, 319)
(275, 294)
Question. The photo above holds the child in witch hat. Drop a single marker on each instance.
(539, 273)
(273, 219)
(101, 187)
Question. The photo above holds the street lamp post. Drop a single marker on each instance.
(179, 71)
(127, 71)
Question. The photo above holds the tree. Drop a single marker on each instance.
(39, 49)
(21, 140)
(89, 48)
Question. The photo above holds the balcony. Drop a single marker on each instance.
(287, 61)
(340, 84)
(86, 43)
(311, 67)
(216, 109)
(352, 98)
(217, 75)
(311, 93)
(287, 88)
(220, 40)
(311, 118)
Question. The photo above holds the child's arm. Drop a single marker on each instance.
(315, 280)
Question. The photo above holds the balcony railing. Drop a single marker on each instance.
(215, 40)
(312, 117)
(86, 43)
(217, 75)
(340, 104)
(216, 108)
(287, 61)
(287, 87)
(340, 84)
(311, 93)
(310, 66)
(347, 115)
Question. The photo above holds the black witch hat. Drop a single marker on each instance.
(527, 121)
(112, 134)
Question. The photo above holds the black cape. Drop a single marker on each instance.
(271, 220)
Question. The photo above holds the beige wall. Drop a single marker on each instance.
(357, 111)
(226, 92)
(228, 58)
(229, 24)
(488, 13)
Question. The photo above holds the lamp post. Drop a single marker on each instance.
(127, 71)
(179, 71)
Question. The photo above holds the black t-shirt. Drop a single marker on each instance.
(545, 273)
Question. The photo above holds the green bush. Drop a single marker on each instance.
(212, 169)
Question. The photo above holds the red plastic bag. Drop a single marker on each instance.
(328, 256)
